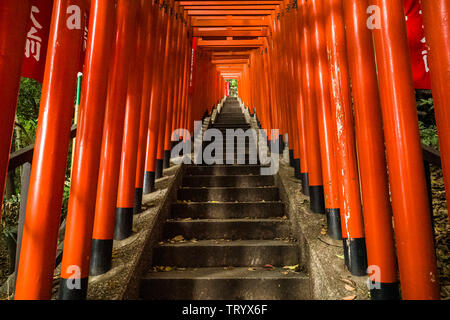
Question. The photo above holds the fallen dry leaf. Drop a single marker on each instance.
(251, 269)
(350, 282)
(178, 238)
(349, 288)
(269, 267)
(291, 267)
(349, 298)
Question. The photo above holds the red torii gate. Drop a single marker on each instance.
(136, 97)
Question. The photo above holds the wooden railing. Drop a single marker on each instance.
(23, 158)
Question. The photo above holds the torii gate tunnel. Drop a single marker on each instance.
(335, 75)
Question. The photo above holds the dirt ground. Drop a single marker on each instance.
(441, 231)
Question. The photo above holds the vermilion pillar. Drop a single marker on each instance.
(437, 32)
(108, 179)
(301, 106)
(164, 92)
(413, 234)
(371, 154)
(175, 60)
(342, 115)
(40, 232)
(316, 192)
(152, 130)
(127, 177)
(326, 125)
(80, 215)
(150, 68)
(14, 16)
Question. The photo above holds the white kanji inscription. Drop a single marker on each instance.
(34, 42)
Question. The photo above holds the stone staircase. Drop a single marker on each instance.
(228, 237)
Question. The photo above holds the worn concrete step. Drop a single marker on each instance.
(222, 161)
(222, 253)
(233, 156)
(230, 144)
(249, 229)
(225, 284)
(223, 170)
(237, 114)
(235, 146)
(234, 125)
(227, 210)
(228, 181)
(230, 118)
(229, 194)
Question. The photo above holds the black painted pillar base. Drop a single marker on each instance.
(101, 256)
(137, 200)
(269, 145)
(149, 182)
(334, 229)
(355, 256)
(159, 168)
(291, 158)
(316, 199)
(73, 289)
(174, 143)
(281, 144)
(305, 183)
(385, 291)
(297, 173)
(166, 163)
(124, 223)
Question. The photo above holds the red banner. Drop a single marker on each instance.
(228, 89)
(37, 39)
(417, 44)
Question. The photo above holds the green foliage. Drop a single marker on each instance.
(427, 122)
(428, 135)
(10, 217)
(425, 108)
(233, 87)
(28, 110)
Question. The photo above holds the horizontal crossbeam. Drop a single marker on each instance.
(229, 23)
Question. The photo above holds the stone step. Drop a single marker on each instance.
(228, 143)
(250, 229)
(224, 170)
(229, 284)
(223, 161)
(222, 253)
(227, 210)
(235, 126)
(231, 194)
(228, 181)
